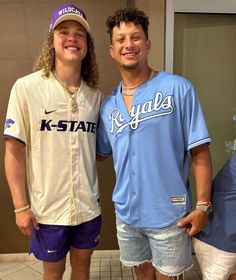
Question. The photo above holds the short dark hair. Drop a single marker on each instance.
(127, 15)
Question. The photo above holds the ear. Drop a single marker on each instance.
(148, 44)
(111, 50)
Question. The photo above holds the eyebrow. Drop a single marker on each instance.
(132, 34)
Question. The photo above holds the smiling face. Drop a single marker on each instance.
(70, 43)
(130, 46)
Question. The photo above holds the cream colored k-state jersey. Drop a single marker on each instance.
(60, 147)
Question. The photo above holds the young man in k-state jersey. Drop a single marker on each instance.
(51, 123)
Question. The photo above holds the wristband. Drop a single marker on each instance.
(18, 210)
(199, 202)
(206, 207)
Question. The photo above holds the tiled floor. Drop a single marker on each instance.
(105, 265)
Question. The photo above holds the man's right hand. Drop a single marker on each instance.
(26, 221)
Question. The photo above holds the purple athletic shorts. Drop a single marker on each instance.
(52, 243)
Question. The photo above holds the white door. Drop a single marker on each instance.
(200, 45)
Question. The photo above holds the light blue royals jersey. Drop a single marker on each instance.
(150, 148)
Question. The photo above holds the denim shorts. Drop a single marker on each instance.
(169, 248)
(51, 243)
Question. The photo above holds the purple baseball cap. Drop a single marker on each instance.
(69, 12)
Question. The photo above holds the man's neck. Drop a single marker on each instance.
(131, 78)
(69, 76)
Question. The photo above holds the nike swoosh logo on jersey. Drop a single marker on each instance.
(49, 112)
(51, 251)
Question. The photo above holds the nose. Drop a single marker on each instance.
(72, 37)
(129, 42)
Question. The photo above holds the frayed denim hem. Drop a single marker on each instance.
(131, 264)
(170, 275)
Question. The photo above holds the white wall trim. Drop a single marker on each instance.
(190, 6)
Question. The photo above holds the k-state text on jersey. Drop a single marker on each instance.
(63, 125)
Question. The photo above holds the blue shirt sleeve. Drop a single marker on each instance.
(103, 146)
(195, 129)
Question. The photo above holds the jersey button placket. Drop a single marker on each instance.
(133, 176)
(75, 183)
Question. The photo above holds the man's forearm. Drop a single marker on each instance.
(15, 172)
(202, 168)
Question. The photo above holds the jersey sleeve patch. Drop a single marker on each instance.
(9, 123)
(179, 199)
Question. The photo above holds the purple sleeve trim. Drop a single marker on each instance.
(6, 136)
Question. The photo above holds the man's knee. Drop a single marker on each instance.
(145, 271)
(54, 270)
(80, 258)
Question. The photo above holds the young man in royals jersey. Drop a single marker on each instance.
(51, 121)
(150, 123)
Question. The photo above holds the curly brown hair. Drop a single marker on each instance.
(127, 15)
(45, 61)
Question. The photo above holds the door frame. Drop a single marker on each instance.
(190, 6)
